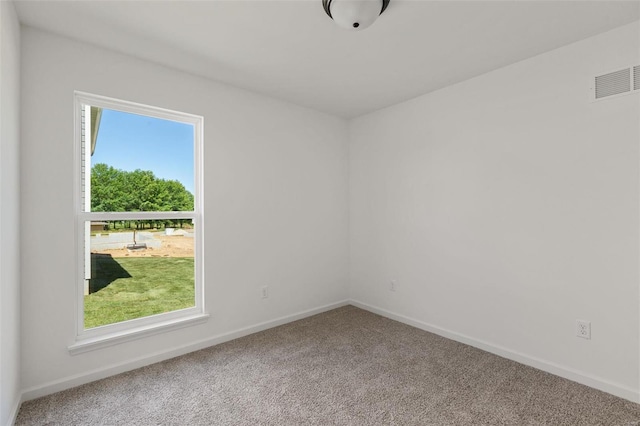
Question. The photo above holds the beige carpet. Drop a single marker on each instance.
(343, 367)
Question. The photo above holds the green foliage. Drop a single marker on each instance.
(139, 287)
(114, 190)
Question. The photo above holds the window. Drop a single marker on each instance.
(139, 220)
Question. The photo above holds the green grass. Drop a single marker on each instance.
(129, 288)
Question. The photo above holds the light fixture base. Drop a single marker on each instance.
(354, 14)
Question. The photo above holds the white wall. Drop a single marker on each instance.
(9, 213)
(506, 207)
(275, 207)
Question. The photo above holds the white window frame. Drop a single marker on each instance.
(107, 335)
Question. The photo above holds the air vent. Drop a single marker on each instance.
(614, 83)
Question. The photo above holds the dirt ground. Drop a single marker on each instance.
(172, 246)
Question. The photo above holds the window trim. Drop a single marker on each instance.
(106, 335)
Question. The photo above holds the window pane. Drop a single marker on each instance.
(134, 269)
(135, 163)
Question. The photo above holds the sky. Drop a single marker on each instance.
(128, 142)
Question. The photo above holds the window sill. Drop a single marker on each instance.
(106, 340)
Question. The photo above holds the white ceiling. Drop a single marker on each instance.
(291, 50)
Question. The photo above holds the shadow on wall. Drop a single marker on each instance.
(104, 270)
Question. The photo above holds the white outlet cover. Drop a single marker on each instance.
(583, 329)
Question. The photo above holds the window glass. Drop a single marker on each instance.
(138, 213)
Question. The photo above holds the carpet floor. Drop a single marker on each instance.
(343, 367)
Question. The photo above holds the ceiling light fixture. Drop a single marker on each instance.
(354, 14)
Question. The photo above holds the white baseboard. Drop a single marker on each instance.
(14, 412)
(101, 373)
(550, 367)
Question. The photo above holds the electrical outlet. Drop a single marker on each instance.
(392, 285)
(265, 292)
(583, 329)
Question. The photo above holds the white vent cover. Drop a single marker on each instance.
(619, 82)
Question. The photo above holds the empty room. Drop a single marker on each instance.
(319, 212)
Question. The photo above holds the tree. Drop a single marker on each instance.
(114, 190)
(107, 189)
